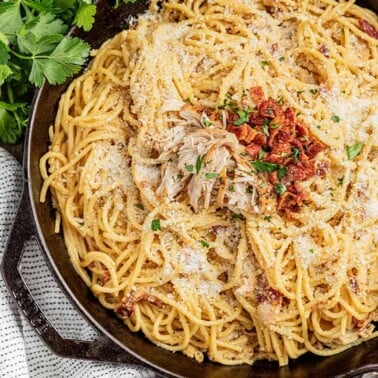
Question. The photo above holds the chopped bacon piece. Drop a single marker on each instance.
(126, 308)
(314, 149)
(270, 109)
(261, 139)
(273, 178)
(354, 284)
(288, 144)
(324, 50)
(268, 294)
(301, 171)
(322, 168)
(256, 119)
(281, 149)
(253, 150)
(368, 28)
(257, 95)
(302, 130)
(244, 133)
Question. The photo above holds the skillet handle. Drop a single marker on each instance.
(24, 229)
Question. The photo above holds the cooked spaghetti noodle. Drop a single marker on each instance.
(173, 209)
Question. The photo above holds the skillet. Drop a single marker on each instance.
(115, 342)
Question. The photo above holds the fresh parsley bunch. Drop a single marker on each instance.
(33, 47)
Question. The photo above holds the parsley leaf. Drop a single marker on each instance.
(282, 172)
(65, 60)
(10, 17)
(243, 117)
(199, 163)
(204, 243)
(189, 168)
(5, 72)
(85, 16)
(262, 166)
(211, 175)
(280, 189)
(155, 225)
(335, 118)
(354, 151)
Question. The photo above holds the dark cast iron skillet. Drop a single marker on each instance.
(116, 343)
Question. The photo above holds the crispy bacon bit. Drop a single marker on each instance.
(253, 150)
(322, 168)
(126, 308)
(257, 94)
(286, 142)
(244, 133)
(354, 284)
(270, 295)
(368, 28)
(324, 50)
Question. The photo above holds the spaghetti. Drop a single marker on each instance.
(170, 198)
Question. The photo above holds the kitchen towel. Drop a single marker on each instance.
(22, 353)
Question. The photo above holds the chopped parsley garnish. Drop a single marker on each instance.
(340, 181)
(237, 216)
(189, 168)
(353, 151)
(335, 118)
(267, 218)
(155, 225)
(295, 153)
(204, 243)
(280, 189)
(265, 127)
(206, 122)
(211, 175)
(231, 188)
(264, 63)
(261, 154)
(318, 127)
(311, 250)
(280, 100)
(139, 206)
(313, 91)
(249, 190)
(274, 126)
(243, 117)
(282, 172)
(262, 166)
(300, 92)
(281, 58)
(199, 163)
(188, 101)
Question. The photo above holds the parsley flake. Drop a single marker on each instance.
(189, 168)
(139, 206)
(204, 243)
(354, 151)
(335, 118)
(243, 117)
(280, 189)
(264, 63)
(155, 225)
(199, 163)
(262, 166)
(211, 175)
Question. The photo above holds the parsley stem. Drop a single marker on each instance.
(25, 57)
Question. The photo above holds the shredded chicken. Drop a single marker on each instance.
(200, 158)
